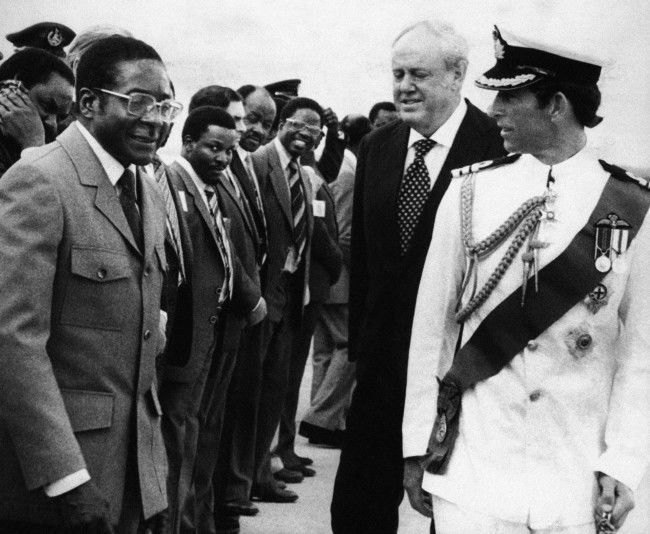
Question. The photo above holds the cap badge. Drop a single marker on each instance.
(54, 37)
(612, 235)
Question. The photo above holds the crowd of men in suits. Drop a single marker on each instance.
(157, 316)
(184, 295)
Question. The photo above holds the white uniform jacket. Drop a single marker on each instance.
(532, 436)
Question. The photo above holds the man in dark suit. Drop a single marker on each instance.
(218, 283)
(236, 338)
(287, 197)
(402, 173)
(326, 261)
(82, 250)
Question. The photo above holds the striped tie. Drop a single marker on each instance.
(222, 241)
(172, 216)
(297, 207)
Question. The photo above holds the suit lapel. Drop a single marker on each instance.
(91, 173)
(279, 183)
(199, 203)
(394, 148)
(150, 215)
(238, 200)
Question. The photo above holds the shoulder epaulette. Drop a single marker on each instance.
(622, 174)
(482, 165)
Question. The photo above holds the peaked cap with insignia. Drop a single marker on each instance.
(523, 62)
(50, 36)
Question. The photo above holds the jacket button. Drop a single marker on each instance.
(532, 345)
(535, 395)
(584, 341)
(217, 291)
(147, 334)
(213, 319)
(101, 274)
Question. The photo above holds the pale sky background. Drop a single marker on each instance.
(341, 49)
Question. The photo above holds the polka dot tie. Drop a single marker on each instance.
(413, 194)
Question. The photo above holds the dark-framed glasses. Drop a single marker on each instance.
(299, 126)
(142, 105)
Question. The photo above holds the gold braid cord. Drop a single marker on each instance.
(526, 217)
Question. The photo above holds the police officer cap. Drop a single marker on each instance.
(50, 36)
(285, 89)
(522, 62)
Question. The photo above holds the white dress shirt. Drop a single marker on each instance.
(532, 437)
(443, 136)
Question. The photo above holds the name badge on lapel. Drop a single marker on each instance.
(319, 208)
(612, 235)
(181, 196)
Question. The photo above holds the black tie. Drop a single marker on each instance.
(413, 194)
(129, 203)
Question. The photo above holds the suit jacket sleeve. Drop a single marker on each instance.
(358, 265)
(31, 404)
(627, 434)
(329, 163)
(324, 248)
(246, 293)
(342, 189)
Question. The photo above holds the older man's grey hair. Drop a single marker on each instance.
(453, 44)
(88, 37)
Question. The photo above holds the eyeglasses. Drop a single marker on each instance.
(299, 125)
(142, 105)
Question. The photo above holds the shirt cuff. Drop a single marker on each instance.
(67, 483)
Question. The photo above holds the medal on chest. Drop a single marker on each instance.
(612, 236)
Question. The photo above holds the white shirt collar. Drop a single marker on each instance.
(285, 157)
(111, 166)
(444, 135)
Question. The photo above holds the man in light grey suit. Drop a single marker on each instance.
(82, 255)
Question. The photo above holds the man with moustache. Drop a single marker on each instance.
(287, 196)
(82, 250)
(403, 169)
(219, 286)
(236, 337)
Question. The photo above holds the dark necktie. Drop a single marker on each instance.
(413, 194)
(297, 207)
(222, 240)
(129, 203)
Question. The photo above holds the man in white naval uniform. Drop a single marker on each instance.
(532, 313)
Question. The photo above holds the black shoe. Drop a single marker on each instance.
(292, 458)
(300, 468)
(273, 494)
(239, 508)
(288, 476)
(322, 436)
(304, 460)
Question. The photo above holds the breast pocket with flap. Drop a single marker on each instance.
(98, 289)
